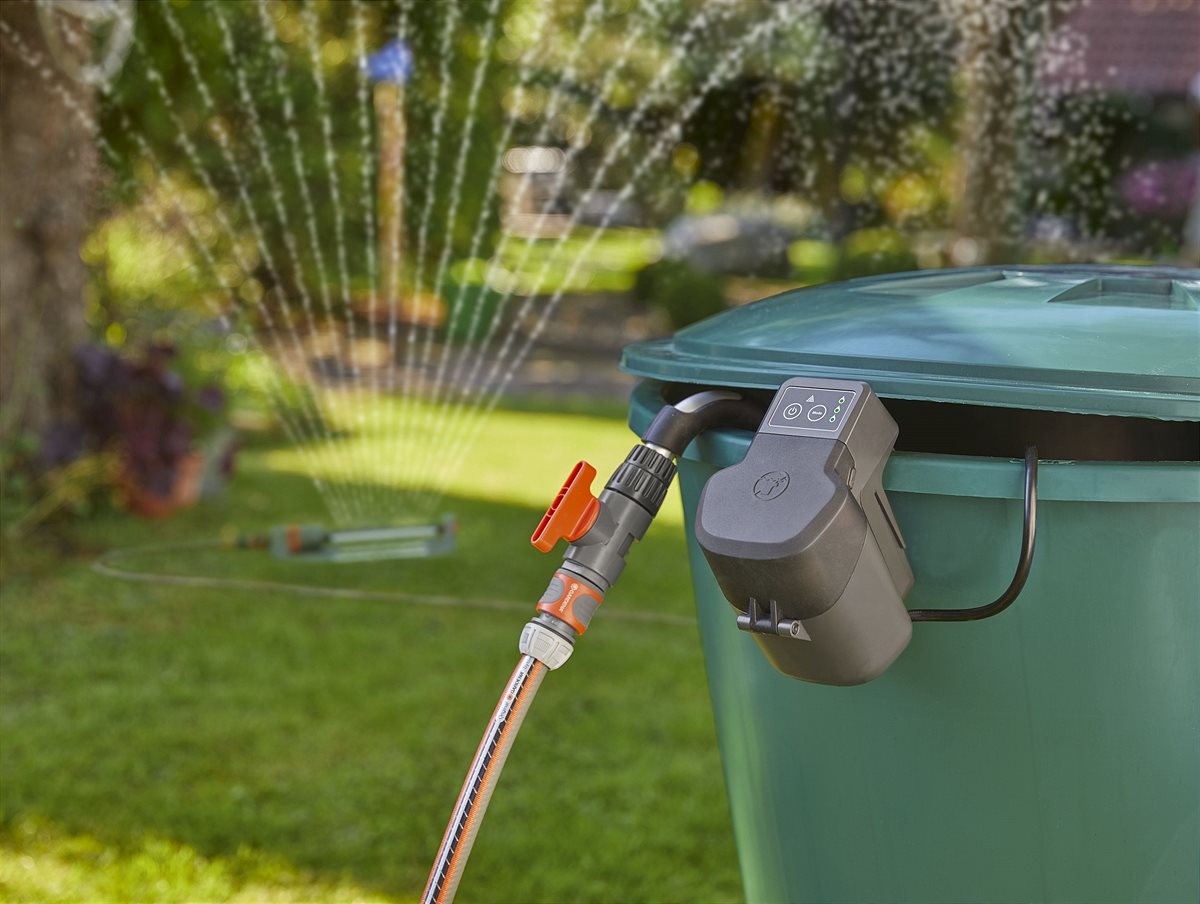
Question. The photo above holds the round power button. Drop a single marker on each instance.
(793, 411)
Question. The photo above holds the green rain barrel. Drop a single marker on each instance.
(1051, 753)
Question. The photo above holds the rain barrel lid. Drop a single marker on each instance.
(1088, 339)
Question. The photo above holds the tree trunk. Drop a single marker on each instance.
(47, 166)
(999, 67)
(389, 114)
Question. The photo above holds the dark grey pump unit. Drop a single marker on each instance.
(803, 541)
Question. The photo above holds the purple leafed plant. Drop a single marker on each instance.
(142, 408)
(1161, 187)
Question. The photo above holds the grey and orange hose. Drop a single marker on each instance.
(599, 531)
(481, 780)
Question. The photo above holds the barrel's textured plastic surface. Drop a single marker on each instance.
(1049, 754)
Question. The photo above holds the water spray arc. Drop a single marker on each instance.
(412, 381)
(304, 432)
(278, 202)
(341, 508)
(485, 395)
(591, 16)
(433, 398)
(471, 391)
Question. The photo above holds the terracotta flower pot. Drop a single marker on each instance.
(184, 491)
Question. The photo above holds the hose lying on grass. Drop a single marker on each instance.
(107, 565)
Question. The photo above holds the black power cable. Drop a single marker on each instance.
(1024, 563)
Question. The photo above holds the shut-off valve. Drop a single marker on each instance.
(601, 529)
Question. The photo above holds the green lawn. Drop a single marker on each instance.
(607, 262)
(188, 744)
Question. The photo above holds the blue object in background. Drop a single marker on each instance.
(394, 63)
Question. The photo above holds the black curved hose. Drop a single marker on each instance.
(675, 426)
(1024, 563)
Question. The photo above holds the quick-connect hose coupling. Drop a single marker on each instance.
(570, 599)
(545, 644)
(600, 531)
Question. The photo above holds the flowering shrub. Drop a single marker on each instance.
(139, 418)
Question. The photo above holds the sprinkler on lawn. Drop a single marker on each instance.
(314, 543)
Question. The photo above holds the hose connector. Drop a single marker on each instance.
(600, 530)
(644, 476)
(571, 599)
(545, 644)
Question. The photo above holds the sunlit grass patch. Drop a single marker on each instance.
(517, 457)
(41, 864)
(584, 261)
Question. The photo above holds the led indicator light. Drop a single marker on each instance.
(832, 418)
(837, 409)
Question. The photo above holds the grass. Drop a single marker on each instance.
(609, 265)
(187, 744)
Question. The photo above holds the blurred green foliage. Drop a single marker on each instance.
(18, 458)
(685, 293)
(198, 121)
(148, 288)
(868, 252)
(242, 121)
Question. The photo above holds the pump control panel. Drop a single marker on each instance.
(801, 409)
(802, 539)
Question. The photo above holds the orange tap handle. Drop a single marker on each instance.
(572, 513)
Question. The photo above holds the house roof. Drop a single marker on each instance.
(1141, 46)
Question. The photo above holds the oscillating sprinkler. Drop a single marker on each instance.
(599, 532)
(315, 543)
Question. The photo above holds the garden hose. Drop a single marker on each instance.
(111, 565)
(600, 531)
(481, 779)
